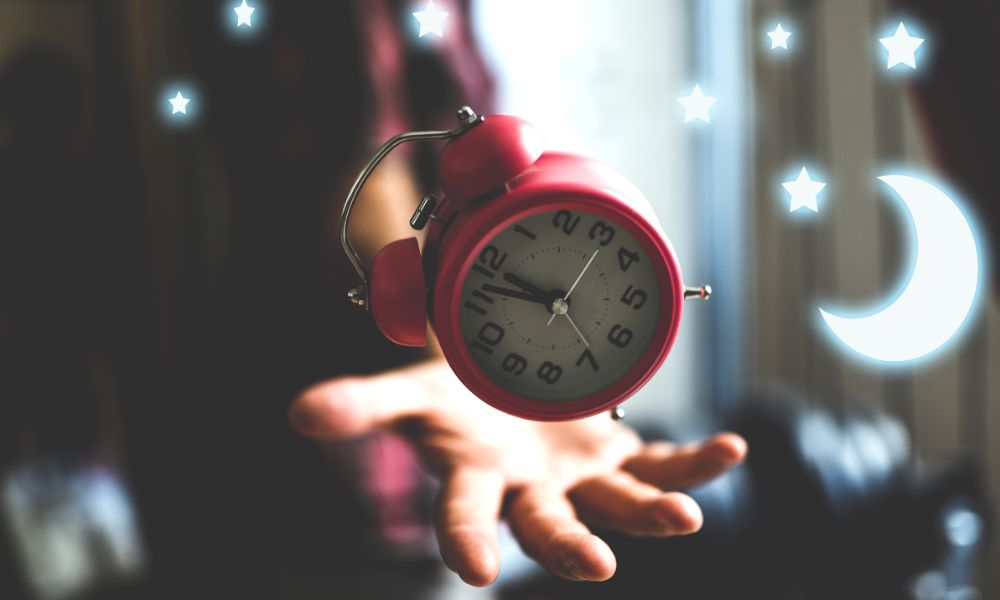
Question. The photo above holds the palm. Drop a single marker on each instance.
(547, 479)
(456, 430)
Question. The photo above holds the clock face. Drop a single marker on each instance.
(560, 305)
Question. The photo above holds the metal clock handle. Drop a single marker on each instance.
(467, 118)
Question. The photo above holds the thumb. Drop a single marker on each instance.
(351, 406)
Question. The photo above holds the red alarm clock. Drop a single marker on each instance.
(551, 287)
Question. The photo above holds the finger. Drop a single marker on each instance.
(545, 524)
(352, 406)
(621, 502)
(669, 467)
(466, 524)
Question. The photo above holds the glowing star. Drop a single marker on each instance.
(803, 191)
(942, 287)
(179, 104)
(431, 19)
(902, 48)
(779, 37)
(243, 13)
(696, 105)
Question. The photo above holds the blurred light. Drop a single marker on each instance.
(878, 459)
(902, 48)
(73, 526)
(243, 14)
(545, 72)
(179, 104)
(779, 37)
(930, 585)
(803, 191)
(431, 19)
(696, 105)
(963, 527)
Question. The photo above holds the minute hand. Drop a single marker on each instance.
(580, 276)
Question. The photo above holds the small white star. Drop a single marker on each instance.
(243, 12)
(902, 48)
(430, 19)
(779, 37)
(803, 191)
(179, 103)
(696, 105)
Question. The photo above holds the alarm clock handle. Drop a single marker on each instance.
(467, 118)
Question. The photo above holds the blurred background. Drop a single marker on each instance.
(167, 285)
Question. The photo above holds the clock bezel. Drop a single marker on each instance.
(471, 234)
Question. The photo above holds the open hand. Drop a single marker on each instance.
(549, 480)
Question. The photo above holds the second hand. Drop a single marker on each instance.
(576, 329)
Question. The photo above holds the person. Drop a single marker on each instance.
(295, 111)
(550, 481)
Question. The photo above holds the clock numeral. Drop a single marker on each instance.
(489, 336)
(626, 258)
(524, 232)
(589, 357)
(565, 220)
(481, 296)
(604, 231)
(635, 298)
(476, 308)
(620, 336)
(514, 363)
(478, 295)
(549, 372)
(490, 261)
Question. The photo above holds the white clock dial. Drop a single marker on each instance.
(560, 306)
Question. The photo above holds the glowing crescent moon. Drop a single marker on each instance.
(942, 287)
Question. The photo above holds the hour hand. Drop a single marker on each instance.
(518, 294)
(525, 285)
